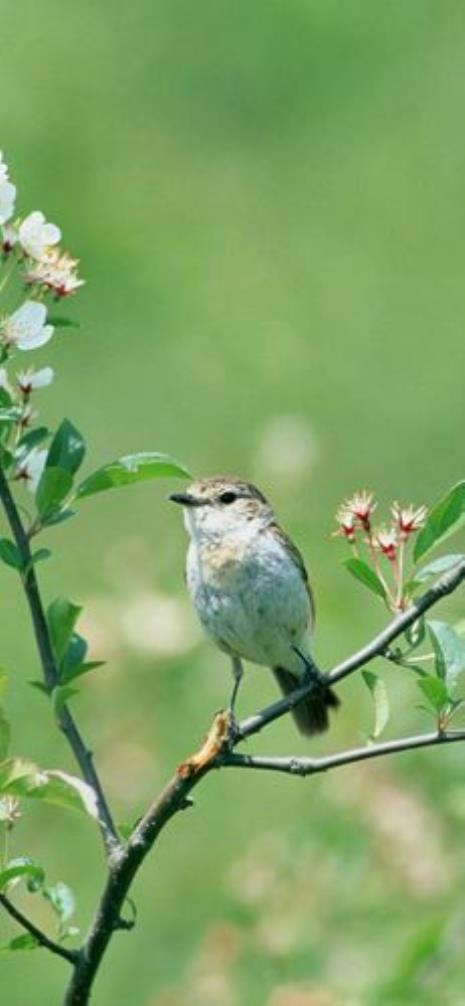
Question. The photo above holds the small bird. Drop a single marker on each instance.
(250, 588)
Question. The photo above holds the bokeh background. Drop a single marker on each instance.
(268, 203)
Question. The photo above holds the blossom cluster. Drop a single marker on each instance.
(30, 253)
(354, 517)
(369, 544)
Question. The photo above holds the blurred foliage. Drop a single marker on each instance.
(268, 204)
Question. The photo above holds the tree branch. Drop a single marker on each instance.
(311, 766)
(69, 955)
(50, 670)
(175, 796)
(444, 586)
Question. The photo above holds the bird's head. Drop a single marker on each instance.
(220, 506)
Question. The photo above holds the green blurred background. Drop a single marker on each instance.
(268, 203)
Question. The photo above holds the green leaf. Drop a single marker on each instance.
(74, 664)
(438, 566)
(10, 554)
(363, 572)
(62, 616)
(24, 942)
(74, 655)
(3, 681)
(416, 633)
(129, 469)
(67, 448)
(435, 691)
(5, 734)
(22, 778)
(54, 486)
(31, 439)
(11, 415)
(62, 901)
(58, 517)
(378, 693)
(40, 555)
(59, 322)
(446, 517)
(449, 650)
(61, 695)
(80, 669)
(5, 398)
(18, 868)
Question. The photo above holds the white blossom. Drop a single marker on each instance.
(56, 271)
(36, 235)
(7, 201)
(30, 469)
(3, 169)
(26, 328)
(10, 236)
(29, 380)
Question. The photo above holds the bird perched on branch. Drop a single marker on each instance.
(251, 591)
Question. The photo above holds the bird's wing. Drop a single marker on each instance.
(288, 544)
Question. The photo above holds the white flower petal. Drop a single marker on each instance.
(32, 340)
(32, 467)
(28, 380)
(7, 201)
(36, 235)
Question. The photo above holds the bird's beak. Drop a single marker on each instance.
(184, 499)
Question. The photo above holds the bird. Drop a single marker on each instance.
(251, 591)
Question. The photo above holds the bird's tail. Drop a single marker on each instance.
(311, 713)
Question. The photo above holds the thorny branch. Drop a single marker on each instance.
(124, 861)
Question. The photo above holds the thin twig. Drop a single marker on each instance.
(44, 941)
(66, 722)
(445, 585)
(311, 766)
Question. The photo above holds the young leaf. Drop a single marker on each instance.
(363, 572)
(449, 650)
(40, 555)
(416, 633)
(435, 691)
(132, 468)
(58, 517)
(59, 322)
(79, 669)
(5, 734)
(62, 616)
(61, 695)
(62, 901)
(380, 699)
(67, 448)
(5, 398)
(31, 439)
(54, 486)
(18, 868)
(11, 415)
(23, 778)
(437, 567)
(24, 942)
(10, 554)
(446, 517)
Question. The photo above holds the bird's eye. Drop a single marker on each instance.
(228, 497)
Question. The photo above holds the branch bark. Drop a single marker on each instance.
(311, 766)
(50, 671)
(69, 955)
